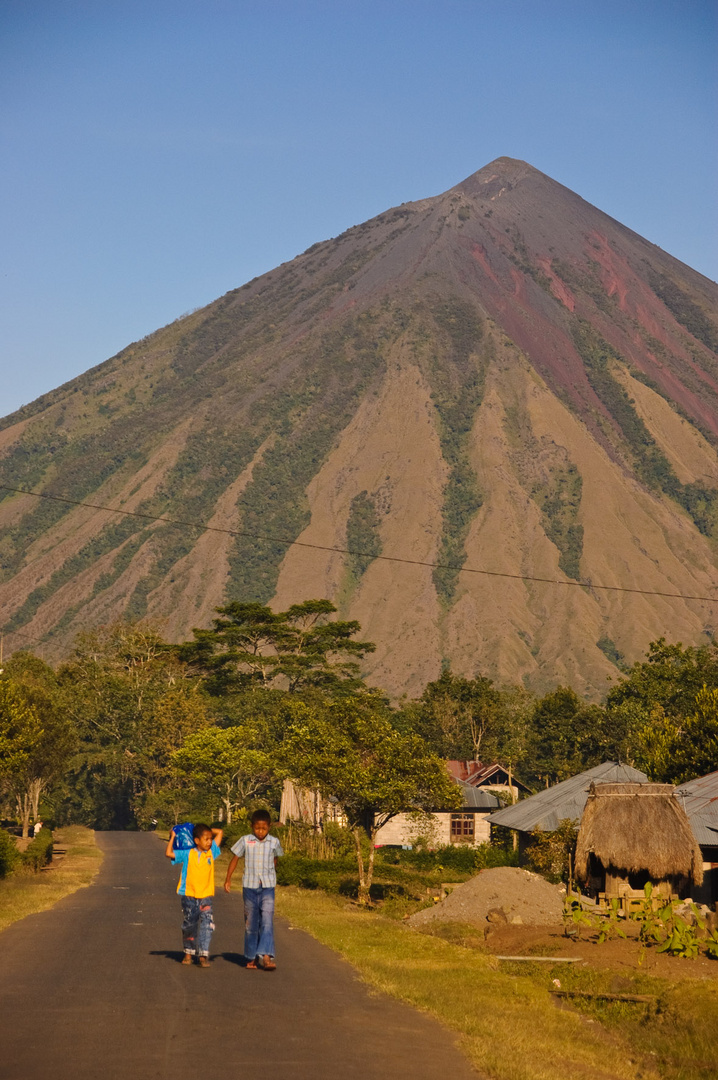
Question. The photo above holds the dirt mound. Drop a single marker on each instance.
(504, 894)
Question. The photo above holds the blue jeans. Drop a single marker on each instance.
(197, 924)
(258, 922)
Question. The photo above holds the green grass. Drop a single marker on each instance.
(509, 1025)
(24, 892)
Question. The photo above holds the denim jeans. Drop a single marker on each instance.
(197, 924)
(258, 922)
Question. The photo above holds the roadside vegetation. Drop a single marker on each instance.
(25, 890)
(509, 1023)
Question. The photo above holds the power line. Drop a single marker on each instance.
(360, 554)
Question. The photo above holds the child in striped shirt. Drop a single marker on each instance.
(260, 851)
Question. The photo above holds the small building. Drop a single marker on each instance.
(466, 825)
(635, 833)
(565, 800)
(699, 799)
(307, 806)
(494, 777)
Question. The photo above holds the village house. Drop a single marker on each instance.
(564, 801)
(699, 799)
(484, 788)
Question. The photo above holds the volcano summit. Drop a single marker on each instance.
(501, 378)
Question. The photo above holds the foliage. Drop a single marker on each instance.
(667, 706)
(559, 502)
(225, 763)
(9, 854)
(40, 689)
(457, 391)
(471, 719)
(587, 280)
(652, 466)
(685, 310)
(350, 751)
(549, 853)
(253, 646)
(314, 406)
(363, 538)
(20, 731)
(568, 735)
(130, 703)
(610, 650)
(39, 852)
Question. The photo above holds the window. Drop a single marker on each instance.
(462, 827)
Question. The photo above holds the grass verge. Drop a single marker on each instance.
(24, 892)
(508, 1024)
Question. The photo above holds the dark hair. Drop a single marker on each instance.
(262, 815)
(200, 830)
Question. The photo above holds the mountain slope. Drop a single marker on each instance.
(501, 377)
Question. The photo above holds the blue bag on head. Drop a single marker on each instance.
(183, 836)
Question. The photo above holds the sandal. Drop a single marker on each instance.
(268, 963)
(204, 961)
(187, 958)
(251, 964)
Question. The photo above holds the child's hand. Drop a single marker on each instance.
(227, 886)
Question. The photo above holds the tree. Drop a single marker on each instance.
(226, 764)
(37, 683)
(20, 736)
(567, 735)
(674, 751)
(348, 750)
(252, 646)
(471, 719)
(112, 684)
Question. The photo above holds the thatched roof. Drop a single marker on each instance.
(638, 827)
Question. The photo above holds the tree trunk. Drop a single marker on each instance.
(228, 809)
(363, 888)
(24, 808)
(35, 791)
(366, 873)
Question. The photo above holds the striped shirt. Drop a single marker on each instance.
(259, 855)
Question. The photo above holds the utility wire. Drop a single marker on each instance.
(361, 554)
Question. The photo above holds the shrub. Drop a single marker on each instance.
(39, 852)
(9, 855)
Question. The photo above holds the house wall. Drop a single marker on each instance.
(402, 830)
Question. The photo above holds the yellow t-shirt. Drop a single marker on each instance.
(197, 875)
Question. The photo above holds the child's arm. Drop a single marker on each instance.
(169, 850)
(217, 835)
(230, 870)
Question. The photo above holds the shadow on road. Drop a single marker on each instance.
(171, 954)
(176, 954)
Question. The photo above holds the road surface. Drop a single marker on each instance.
(93, 990)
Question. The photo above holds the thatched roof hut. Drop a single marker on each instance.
(637, 832)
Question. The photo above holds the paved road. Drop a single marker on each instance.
(94, 989)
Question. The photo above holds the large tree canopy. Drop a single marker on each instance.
(250, 645)
(349, 751)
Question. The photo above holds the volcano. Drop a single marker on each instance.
(501, 379)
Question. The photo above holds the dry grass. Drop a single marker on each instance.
(509, 1026)
(25, 893)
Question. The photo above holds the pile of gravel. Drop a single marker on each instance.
(504, 894)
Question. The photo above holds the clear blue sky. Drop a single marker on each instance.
(157, 154)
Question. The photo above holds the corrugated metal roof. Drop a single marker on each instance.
(478, 798)
(548, 808)
(700, 801)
